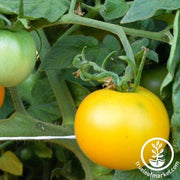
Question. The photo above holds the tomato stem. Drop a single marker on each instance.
(67, 19)
(138, 77)
(72, 7)
(16, 99)
(63, 97)
(5, 144)
(97, 3)
(21, 9)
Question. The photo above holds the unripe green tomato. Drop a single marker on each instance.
(26, 154)
(27, 85)
(152, 78)
(17, 57)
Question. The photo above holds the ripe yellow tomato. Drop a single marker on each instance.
(111, 127)
(2, 94)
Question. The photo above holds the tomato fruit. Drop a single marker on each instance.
(152, 78)
(18, 57)
(26, 154)
(25, 88)
(111, 127)
(2, 94)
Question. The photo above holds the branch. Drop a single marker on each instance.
(68, 19)
(72, 7)
(16, 99)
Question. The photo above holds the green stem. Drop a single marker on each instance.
(158, 36)
(5, 144)
(130, 3)
(97, 3)
(87, 7)
(21, 10)
(104, 26)
(63, 97)
(16, 99)
(22, 125)
(69, 31)
(138, 77)
(72, 7)
(67, 19)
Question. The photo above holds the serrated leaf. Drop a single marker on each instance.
(157, 143)
(62, 53)
(111, 43)
(153, 156)
(143, 9)
(44, 105)
(35, 9)
(152, 55)
(42, 151)
(78, 92)
(174, 57)
(96, 54)
(11, 164)
(113, 9)
(137, 45)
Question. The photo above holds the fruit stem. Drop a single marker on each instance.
(16, 99)
(21, 10)
(138, 77)
(72, 7)
(63, 97)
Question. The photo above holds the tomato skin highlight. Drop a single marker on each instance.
(111, 127)
(2, 95)
(18, 57)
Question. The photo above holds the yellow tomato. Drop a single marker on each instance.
(2, 94)
(111, 127)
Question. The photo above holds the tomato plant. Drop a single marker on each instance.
(83, 94)
(2, 94)
(18, 57)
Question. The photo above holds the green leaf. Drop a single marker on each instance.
(111, 43)
(144, 9)
(78, 92)
(42, 151)
(7, 107)
(113, 9)
(35, 9)
(62, 53)
(137, 45)
(42, 43)
(174, 57)
(175, 123)
(97, 54)
(130, 175)
(11, 164)
(25, 125)
(152, 55)
(44, 105)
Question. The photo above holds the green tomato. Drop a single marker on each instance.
(18, 57)
(27, 85)
(152, 78)
(25, 154)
